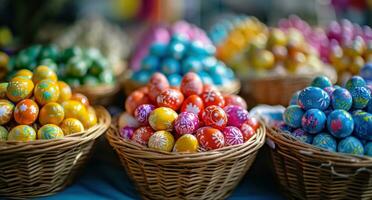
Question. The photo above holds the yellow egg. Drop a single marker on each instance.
(3, 89)
(3, 134)
(43, 72)
(19, 88)
(64, 91)
(25, 73)
(187, 144)
(22, 133)
(4, 59)
(71, 125)
(277, 37)
(91, 118)
(49, 131)
(46, 91)
(162, 119)
(6, 111)
(75, 109)
(51, 113)
(263, 59)
(161, 140)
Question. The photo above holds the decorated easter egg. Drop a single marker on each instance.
(235, 100)
(6, 111)
(142, 113)
(191, 84)
(368, 148)
(127, 120)
(313, 121)
(293, 115)
(212, 97)
(49, 131)
(19, 88)
(236, 115)
(26, 112)
(325, 141)
(51, 113)
(302, 135)
(170, 98)
(71, 125)
(294, 98)
(75, 109)
(3, 134)
(341, 99)
(187, 143)
(321, 82)
(355, 81)
(64, 91)
(363, 125)
(42, 73)
(215, 117)
(126, 132)
(174, 79)
(25, 73)
(247, 131)
(161, 140)
(177, 50)
(340, 123)
(232, 135)
(210, 138)
(253, 122)
(150, 63)
(193, 104)
(366, 72)
(23, 133)
(351, 145)
(158, 49)
(186, 123)
(135, 99)
(46, 91)
(157, 84)
(329, 91)
(142, 135)
(313, 97)
(361, 96)
(80, 98)
(3, 89)
(162, 118)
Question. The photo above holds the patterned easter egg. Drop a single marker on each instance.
(321, 82)
(51, 113)
(162, 119)
(186, 123)
(170, 98)
(3, 89)
(293, 115)
(71, 125)
(49, 131)
(341, 99)
(193, 104)
(75, 109)
(236, 115)
(161, 140)
(150, 63)
(191, 84)
(361, 96)
(215, 117)
(23, 133)
(26, 112)
(302, 135)
(355, 81)
(175, 79)
(187, 143)
(233, 136)
(210, 138)
(329, 91)
(253, 122)
(368, 149)
(25, 73)
(126, 132)
(235, 100)
(351, 145)
(363, 125)
(3, 134)
(247, 131)
(46, 91)
(19, 88)
(157, 84)
(135, 99)
(142, 113)
(125, 119)
(42, 73)
(142, 135)
(212, 97)
(64, 91)
(340, 123)
(313, 121)
(80, 98)
(6, 111)
(313, 97)
(325, 141)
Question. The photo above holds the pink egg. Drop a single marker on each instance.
(186, 123)
(142, 113)
(233, 136)
(236, 115)
(127, 132)
(235, 100)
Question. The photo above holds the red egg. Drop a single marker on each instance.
(135, 99)
(215, 116)
(142, 135)
(157, 84)
(191, 84)
(144, 89)
(253, 122)
(235, 100)
(26, 112)
(213, 97)
(193, 104)
(247, 131)
(210, 138)
(170, 98)
(208, 88)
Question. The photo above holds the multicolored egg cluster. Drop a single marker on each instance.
(194, 118)
(35, 105)
(331, 117)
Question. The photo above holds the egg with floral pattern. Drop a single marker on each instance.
(126, 132)
(43, 73)
(161, 140)
(51, 113)
(3, 88)
(162, 118)
(235, 100)
(71, 125)
(325, 141)
(215, 117)
(186, 123)
(361, 96)
(355, 81)
(142, 135)
(125, 119)
(187, 143)
(157, 84)
(313, 121)
(6, 111)
(3, 134)
(293, 115)
(213, 97)
(313, 97)
(46, 91)
(302, 135)
(341, 99)
(340, 123)
(19, 88)
(351, 145)
(23, 133)
(210, 138)
(193, 104)
(142, 113)
(170, 98)
(363, 125)
(26, 112)
(49, 131)
(236, 115)
(233, 136)
(135, 99)
(247, 131)
(191, 84)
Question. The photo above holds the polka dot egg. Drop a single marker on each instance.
(49, 131)
(161, 140)
(23, 133)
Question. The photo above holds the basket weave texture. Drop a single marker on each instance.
(99, 95)
(308, 172)
(203, 175)
(44, 167)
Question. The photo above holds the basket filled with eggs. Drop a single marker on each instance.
(46, 133)
(187, 143)
(323, 147)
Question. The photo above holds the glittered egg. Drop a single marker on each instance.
(157, 83)
(293, 115)
(236, 115)
(142, 135)
(210, 138)
(193, 104)
(75, 109)
(126, 132)
(247, 131)
(235, 100)
(71, 125)
(232, 135)
(3, 89)
(313, 121)
(161, 140)
(341, 99)
(6, 111)
(42, 73)
(170, 98)
(361, 96)
(187, 143)
(212, 97)
(162, 118)
(64, 91)
(80, 98)
(23, 133)
(125, 119)
(26, 112)
(340, 123)
(186, 123)
(302, 135)
(325, 141)
(142, 113)
(368, 149)
(135, 99)
(191, 84)
(321, 82)
(350, 145)
(25, 73)
(363, 125)
(49, 131)
(313, 97)
(51, 113)
(3, 134)
(294, 98)
(19, 88)
(355, 81)
(46, 91)
(215, 117)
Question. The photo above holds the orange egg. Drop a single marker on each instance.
(64, 91)
(51, 113)
(135, 99)
(81, 98)
(26, 112)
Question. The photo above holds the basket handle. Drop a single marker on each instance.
(330, 165)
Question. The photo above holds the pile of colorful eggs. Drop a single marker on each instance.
(38, 106)
(332, 117)
(194, 118)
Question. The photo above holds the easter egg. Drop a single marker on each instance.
(313, 121)
(210, 138)
(142, 113)
(150, 63)
(127, 120)
(325, 141)
(247, 131)
(236, 115)
(3, 89)
(3, 134)
(141, 76)
(64, 91)
(71, 125)
(51, 113)
(135, 99)
(366, 72)
(162, 118)
(170, 66)
(42, 73)
(361, 96)
(355, 81)
(176, 50)
(191, 84)
(142, 135)
(161, 140)
(80, 98)
(294, 98)
(46, 91)
(158, 49)
(302, 135)
(187, 143)
(25, 73)
(170, 98)
(90, 119)
(350, 145)
(340, 123)
(212, 97)
(253, 122)
(19, 88)
(23, 133)
(74, 109)
(293, 115)
(235, 100)
(157, 84)
(368, 149)
(26, 112)
(126, 132)
(341, 99)
(215, 117)
(329, 91)
(49, 131)
(232, 135)
(313, 97)
(321, 82)
(193, 104)
(6, 111)
(186, 123)
(363, 125)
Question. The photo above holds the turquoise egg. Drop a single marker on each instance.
(170, 66)
(218, 70)
(368, 149)
(329, 90)
(293, 115)
(351, 145)
(313, 121)
(229, 73)
(191, 64)
(340, 123)
(361, 96)
(205, 77)
(174, 79)
(294, 98)
(158, 49)
(302, 135)
(321, 82)
(363, 125)
(141, 76)
(150, 63)
(341, 99)
(196, 48)
(176, 50)
(325, 141)
(355, 81)
(220, 80)
(209, 62)
(313, 97)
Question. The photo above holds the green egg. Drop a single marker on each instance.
(98, 66)
(76, 67)
(49, 51)
(50, 63)
(71, 52)
(107, 77)
(90, 80)
(3, 134)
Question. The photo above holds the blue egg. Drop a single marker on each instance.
(341, 99)
(170, 66)
(191, 64)
(302, 135)
(209, 62)
(313, 97)
(294, 98)
(210, 49)
(141, 76)
(321, 82)
(174, 79)
(218, 70)
(150, 63)
(284, 127)
(329, 91)
(176, 50)
(363, 125)
(313, 121)
(361, 96)
(366, 72)
(179, 38)
(355, 81)
(293, 115)
(220, 80)
(368, 149)
(351, 145)
(196, 48)
(325, 141)
(206, 79)
(340, 123)
(158, 49)
(229, 73)
(369, 106)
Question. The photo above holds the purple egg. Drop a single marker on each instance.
(236, 115)
(142, 113)
(126, 132)
(186, 123)
(233, 136)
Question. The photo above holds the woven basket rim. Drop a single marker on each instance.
(101, 89)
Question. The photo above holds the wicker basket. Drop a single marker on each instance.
(99, 95)
(44, 167)
(202, 175)
(308, 172)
